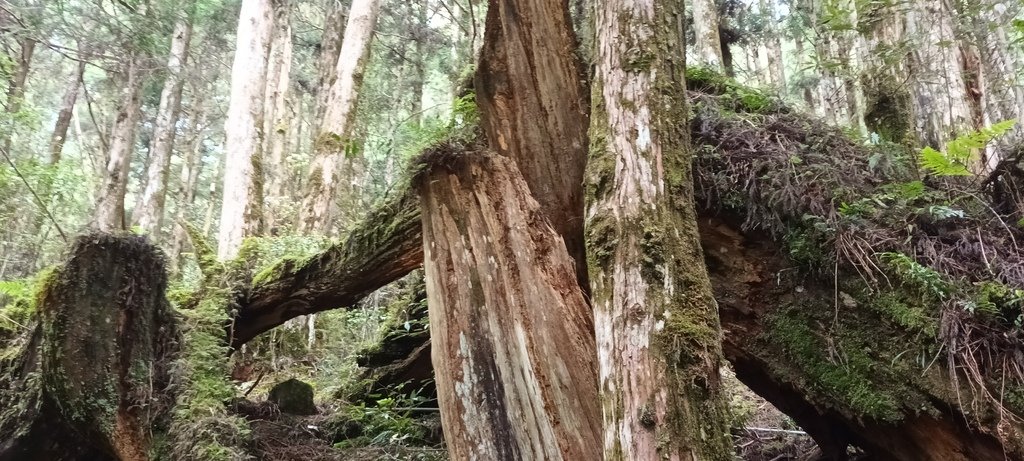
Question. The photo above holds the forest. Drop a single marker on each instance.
(511, 230)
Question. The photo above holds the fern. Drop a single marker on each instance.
(960, 151)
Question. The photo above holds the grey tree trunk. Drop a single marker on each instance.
(149, 211)
(242, 207)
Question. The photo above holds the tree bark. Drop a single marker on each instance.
(941, 105)
(279, 117)
(792, 335)
(85, 383)
(658, 336)
(66, 112)
(707, 44)
(109, 213)
(510, 328)
(530, 90)
(149, 211)
(332, 172)
(242, 209)
(327, 61)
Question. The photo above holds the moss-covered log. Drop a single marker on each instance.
(877, 307)
(383, 248)
(85, 381)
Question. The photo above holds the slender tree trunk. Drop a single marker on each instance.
(327, 62)
(773, 45)
(109, 212)
(707, 45)
(278, 116)
(67, 111)
(510, 328)
(242, 209)
(332, 175)
(999, 80)
(658, 335)
(16, 87)
(188, 180)
(149, 211)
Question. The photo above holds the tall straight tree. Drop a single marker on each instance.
(242, 208)
(149, 211)
(66, 112)
(330, 169)
(109, 212)
(658, 336)
(278, 119)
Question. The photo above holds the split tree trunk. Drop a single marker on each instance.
(531, 96)
(242, 208)
(84, 385)
(149, 212)
(333, 173)
(109, 212)
(657, 328)
(511, 329)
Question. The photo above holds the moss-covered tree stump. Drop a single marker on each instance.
(84, 381)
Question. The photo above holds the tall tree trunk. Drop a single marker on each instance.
(278, 116)
(109, 212)
(510, 328)
(187, 182)
(531, 97)
(16, 88)
(242, 208)
(327, 61)
(66, 112)
(332, 174)
(707, 44)
(773, 45)
(149, 211)
(999, 79)
(941, 105)
(658, 335)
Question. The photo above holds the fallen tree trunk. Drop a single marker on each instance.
(86, 382)
(887, 322)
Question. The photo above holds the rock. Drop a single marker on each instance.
(293, 397)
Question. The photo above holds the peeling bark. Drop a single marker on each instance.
(511, 330)
(530, 90)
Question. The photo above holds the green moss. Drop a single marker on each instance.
(847, 367)
(201, 427)
(739, 97)
(905, 311)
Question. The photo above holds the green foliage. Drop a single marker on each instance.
(388, 421)
(201, 427)
(928, 283)
(961, 151)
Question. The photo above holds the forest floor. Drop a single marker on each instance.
(762, 433)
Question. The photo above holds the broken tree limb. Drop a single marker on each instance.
(382, 249)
